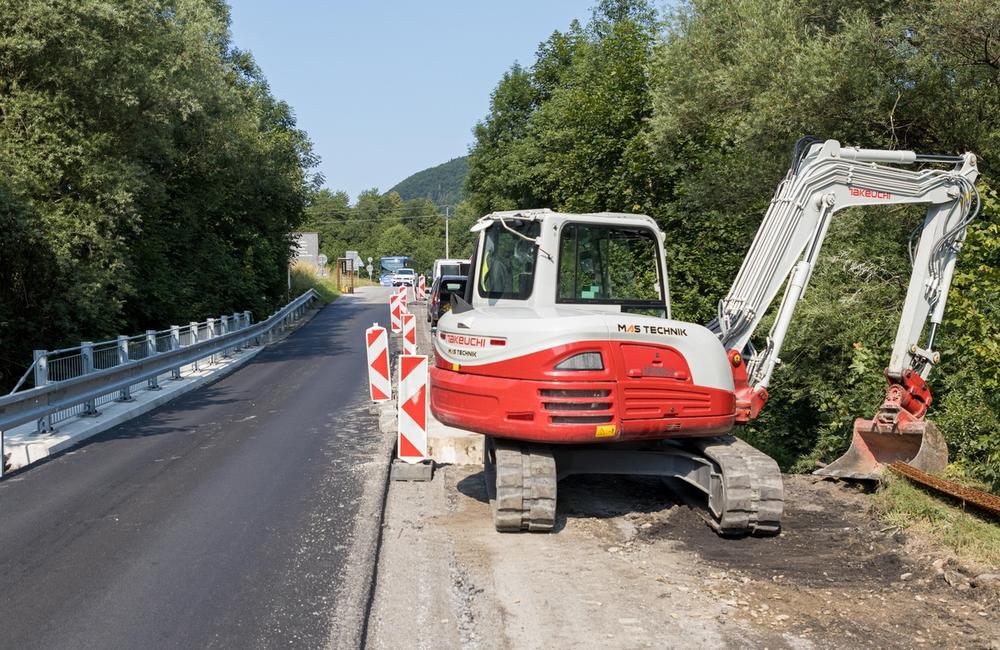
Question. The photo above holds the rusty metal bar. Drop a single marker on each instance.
(983, 500)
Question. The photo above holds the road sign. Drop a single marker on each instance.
(379, 386)
(411, 441)
(355, 258)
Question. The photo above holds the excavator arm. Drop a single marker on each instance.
(823, 179)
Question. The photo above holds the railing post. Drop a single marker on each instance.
(42, 378)
(153, 383)
(236, 327)
(247, 322)
(224, 327)
(175, 344)
(125, 395)
(87, 357)
(210, 333)
(193, 328)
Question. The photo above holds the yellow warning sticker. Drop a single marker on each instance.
(605, 431)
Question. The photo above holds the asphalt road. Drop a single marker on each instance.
(221, 520)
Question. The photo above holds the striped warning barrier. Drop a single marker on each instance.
(411, 443)
(395, 314)
(409, 333)
(421, 289)
(379, 386)
(402, 296)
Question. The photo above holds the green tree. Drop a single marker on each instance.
(157, 176)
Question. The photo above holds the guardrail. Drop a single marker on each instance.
(76, 381)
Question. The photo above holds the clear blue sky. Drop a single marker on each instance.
(385, 89)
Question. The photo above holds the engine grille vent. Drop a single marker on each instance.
(578, 405)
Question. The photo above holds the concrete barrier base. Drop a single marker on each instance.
(403, 471)
(453, 446)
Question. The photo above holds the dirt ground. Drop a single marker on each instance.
(631, 566)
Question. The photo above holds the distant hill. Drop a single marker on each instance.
(444, 184)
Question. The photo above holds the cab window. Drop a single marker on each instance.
(507, 268)
(610, 265)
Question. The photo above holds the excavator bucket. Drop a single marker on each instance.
(921, 446)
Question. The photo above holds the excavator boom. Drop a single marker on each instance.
(823, 179)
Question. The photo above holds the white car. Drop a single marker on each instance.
(407, 277)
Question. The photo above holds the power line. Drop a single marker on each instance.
(373, 219)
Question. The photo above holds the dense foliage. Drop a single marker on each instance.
(691, 118)
(147, 175)
(443, 184)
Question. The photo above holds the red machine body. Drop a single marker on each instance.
(644, 392)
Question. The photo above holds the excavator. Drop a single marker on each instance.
(564, 353)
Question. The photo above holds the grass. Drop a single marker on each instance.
(970, 536)
(305, 277)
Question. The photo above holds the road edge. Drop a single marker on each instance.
(349, 625)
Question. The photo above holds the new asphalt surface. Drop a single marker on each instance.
(223, 519)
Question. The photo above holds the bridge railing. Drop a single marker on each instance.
(78, 381)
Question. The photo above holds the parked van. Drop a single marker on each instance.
(450, 267)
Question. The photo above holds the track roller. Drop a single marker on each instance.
(521, 482)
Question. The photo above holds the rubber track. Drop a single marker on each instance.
(754, 493)
(525, 497)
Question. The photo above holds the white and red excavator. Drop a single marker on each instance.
(565, 355)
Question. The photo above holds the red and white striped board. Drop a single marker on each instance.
(395, 314)
(402, 296)
(421, 288)
(409, 333)
(411, 441)
(379, 386)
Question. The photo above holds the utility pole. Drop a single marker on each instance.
(447, 216)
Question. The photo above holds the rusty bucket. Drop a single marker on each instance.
(921, 445)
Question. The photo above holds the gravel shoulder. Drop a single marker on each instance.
(631, 566)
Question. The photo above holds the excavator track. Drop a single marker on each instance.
(743, 486)
(753, 495)
(522, 483)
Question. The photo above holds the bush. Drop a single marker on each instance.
(305, 277)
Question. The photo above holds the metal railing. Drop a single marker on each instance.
(78, 381)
